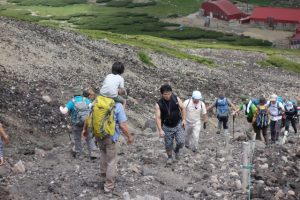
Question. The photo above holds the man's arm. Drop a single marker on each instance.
(124, 128)
(158, 120)
(3, 135)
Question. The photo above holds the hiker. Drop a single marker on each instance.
(222, 105)
(194, 107)
(291, 116)
(249, 107)
(113, 84)
(89, 93)
(107, 121)
(4, 139)
(276, 109)
(170, 121)
(79, 108)
(261, 120)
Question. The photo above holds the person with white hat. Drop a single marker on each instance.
(276, 109)
(195, 108)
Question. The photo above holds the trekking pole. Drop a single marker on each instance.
(233, 119)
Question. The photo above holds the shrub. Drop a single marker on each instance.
(145, 58)
(284, 63)
(54, 3)
(102, 1)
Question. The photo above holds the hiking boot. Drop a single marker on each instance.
(169, 161)
(177, 156)
(93, 155)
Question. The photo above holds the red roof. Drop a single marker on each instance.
(284, 15)
(226, 5)
(296, 36)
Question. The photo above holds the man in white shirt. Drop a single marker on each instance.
(195, 108)
(276, 109)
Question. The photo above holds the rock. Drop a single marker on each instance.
(197, 195)
(151, 124)
(259, 144)
(284, 158)
(40, 152)
(234, 174)
(146, 171)
(240, 136)
(291, 193)
(126, 196)
(19, 167)
(238, 184)
(174, 196)
(280, 194)
(264, 166)
(4, 170)
(214, 179)
(189, 189)
(47, 98)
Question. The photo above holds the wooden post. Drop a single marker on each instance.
(245, 170)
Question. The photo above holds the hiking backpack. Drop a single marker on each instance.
(222, 107)
(81, 111)
(255, 101)
(101, 120)
(262, 119)
(276, 106)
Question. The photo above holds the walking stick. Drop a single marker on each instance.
(233, 119)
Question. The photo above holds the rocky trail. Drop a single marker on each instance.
(38, 65)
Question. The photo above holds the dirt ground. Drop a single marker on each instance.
(37, 61)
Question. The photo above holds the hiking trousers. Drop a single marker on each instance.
(261, 133)
(108, 161)
(223, 120)
(192, 133)
(275, 129)
(1, 148)
(289, 121)
(176, 132)
(76, 139)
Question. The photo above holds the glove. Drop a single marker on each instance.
(204, 125)
(63, 110)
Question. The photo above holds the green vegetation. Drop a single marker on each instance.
(102, 1)
(145, 58)
(286, 64)
(56, 3)
(278, 3)
(129, 4)
(135, 25)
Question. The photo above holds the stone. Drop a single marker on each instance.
(19, 167)
(259, 144)
(238, 184)
(47, 98)
(151, 124)
(4, 170)
(234, 174)
(291, 193)
(280, 194)
(146, 171)
(40, 152)
(126, 196)
(284, 158)
(264, 166)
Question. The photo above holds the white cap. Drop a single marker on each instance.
(273, 97)
(196, 95)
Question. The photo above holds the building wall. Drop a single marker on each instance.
(277, 25)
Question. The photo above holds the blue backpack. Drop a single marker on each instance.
(255, 101)
(222, 107)
(262, 117)
(81, 111)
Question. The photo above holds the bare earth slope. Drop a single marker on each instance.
(36, 61)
